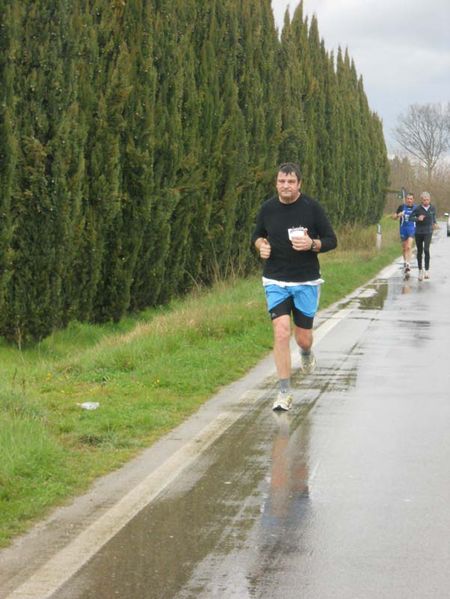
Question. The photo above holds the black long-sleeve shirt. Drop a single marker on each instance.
(273, 221)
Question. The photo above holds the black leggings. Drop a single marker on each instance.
(423, 241)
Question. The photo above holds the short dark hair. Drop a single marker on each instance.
(290, 167)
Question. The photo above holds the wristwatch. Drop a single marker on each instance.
(313, 245)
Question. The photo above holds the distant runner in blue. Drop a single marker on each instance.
(407, 230)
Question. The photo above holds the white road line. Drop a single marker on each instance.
(53, 574)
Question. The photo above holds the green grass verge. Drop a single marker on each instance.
(148, 374)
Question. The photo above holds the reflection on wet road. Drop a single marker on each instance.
(345, 497)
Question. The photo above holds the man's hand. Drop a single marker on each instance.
(302, 243)
(264, 249)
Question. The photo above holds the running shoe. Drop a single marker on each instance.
(427, 274)
(420, 275)
(308, 362)
(283, 401)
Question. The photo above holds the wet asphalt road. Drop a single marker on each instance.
(345, 497)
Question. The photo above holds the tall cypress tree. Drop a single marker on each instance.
(316, 107)
(9, 20)
(208, 47)
(332, 155)
(231, 157)
(344, 183)
(310, 90)
(168, 58)
(131, 85)
(104, 168)
(258, 80)
(189, 178)
(138, 146)
(293, 144)
(65, 163)
(34, 302)
(378, 176)
(230, 151)
(365, 195)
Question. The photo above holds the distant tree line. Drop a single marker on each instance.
(139, 137)
(414, 178)
(424, 133)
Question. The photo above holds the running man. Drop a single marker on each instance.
(407, 231)
(425, 217)
(291, 230)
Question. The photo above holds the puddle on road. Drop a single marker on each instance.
(371, 298)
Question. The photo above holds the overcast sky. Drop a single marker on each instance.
(400, 47)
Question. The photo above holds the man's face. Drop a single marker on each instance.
(426, 201)
(409, 200)
(288, 187)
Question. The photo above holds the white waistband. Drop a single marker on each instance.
(267, 281)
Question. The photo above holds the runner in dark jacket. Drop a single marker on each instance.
(425, 219)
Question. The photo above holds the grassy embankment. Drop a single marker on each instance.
(148, 373)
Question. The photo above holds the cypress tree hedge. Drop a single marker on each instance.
(138, 139)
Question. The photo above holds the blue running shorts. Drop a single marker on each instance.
(406, 231)
(305, 297)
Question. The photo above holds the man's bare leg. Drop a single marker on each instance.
(304, 339)
(407, 252)
(281, 349)
(282, 355)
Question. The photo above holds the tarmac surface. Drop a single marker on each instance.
(345, 497)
